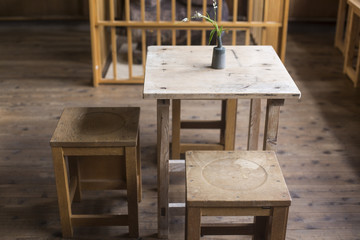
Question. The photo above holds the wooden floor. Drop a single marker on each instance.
(46, 67)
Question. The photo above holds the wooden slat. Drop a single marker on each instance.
(93, 151)
(134, 80)
(188, 32)
(235, 212)
(219, 12)
(127, 10)
(227, 229)
(142, 9)
(94, 43)
(203, 32)
(189, 25)
(143, 52)
(130, 52)
(173, 18)
(102, 185)
(114, 51)
(340, 26)
(189, 124)
(200, 146)
(235, 17)
(284, 30)
(99, 220)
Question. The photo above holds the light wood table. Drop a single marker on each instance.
(183, 72)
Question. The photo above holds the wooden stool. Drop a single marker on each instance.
(243, 183)
(103, 152)
(352, 42)
(227, 126)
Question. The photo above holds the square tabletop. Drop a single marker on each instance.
(184, 72)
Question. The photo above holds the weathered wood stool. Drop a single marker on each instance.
(103, 152)
(352, 46)
(243, 183)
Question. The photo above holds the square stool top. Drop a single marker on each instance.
(235, 179)
(97, 127)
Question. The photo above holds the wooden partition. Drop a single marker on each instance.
(114, 28)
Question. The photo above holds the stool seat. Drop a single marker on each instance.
(235, 179)
(97, 127)
(242, 183)
(97, 149)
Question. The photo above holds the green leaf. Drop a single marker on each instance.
(211, 35)
(220, 31)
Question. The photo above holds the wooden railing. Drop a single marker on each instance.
(110, 23)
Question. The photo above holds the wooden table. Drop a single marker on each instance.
(183, 72)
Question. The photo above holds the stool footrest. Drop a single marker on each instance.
(227, 229)
(103, 184)
(99, 220)
(200, 124)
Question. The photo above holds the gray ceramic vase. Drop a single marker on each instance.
(218, 58)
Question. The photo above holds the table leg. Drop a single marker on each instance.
(254, 124)
(163, 166)
(230, 124)
(272, 123)
(176, 125)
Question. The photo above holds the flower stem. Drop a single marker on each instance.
(219, 41)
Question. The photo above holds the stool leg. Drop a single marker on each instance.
(74, 172)
(261, 228)
(279, 222)
(62, 187)
(132, 192)
(193, 223)
(139, 168)
(176, 125)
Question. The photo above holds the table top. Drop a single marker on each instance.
(235, 179)
(97, 127)
(184, 72)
